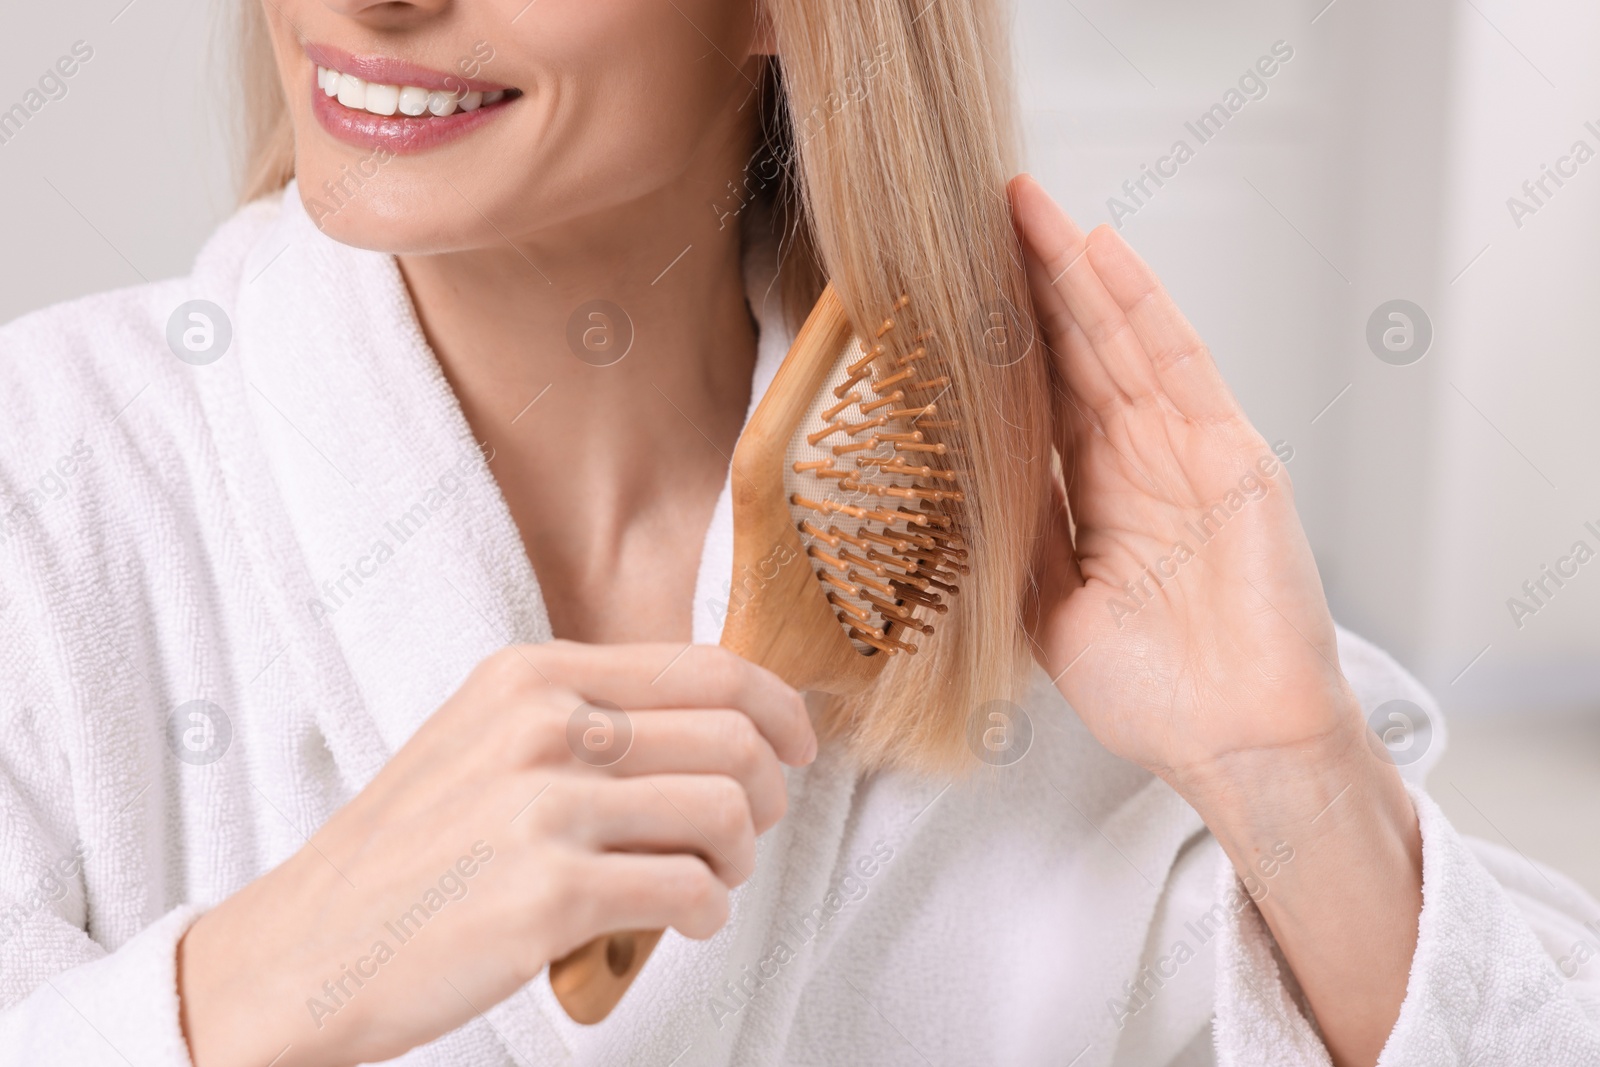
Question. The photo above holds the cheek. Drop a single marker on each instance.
(630, 91)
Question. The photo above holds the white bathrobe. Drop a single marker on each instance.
(303, 535)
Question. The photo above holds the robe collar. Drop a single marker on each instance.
(413, 569)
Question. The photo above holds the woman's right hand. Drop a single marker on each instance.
(489, 846)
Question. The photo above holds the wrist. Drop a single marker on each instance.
(240, 985)
(1287, 783)
(1337, 792)
(1325, 840)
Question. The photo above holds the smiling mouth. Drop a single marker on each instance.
(380, 102)
(414, 101)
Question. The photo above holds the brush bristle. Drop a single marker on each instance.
(876, 489)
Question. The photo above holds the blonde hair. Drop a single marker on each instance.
(888, 138)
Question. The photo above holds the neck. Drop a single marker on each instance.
(606, 466)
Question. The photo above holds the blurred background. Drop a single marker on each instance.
(1426, 152)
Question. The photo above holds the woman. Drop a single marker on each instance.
(536, 264)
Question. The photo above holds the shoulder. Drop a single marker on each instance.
(74, 358)
(106, 442)
(73, 374)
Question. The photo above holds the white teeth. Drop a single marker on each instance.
(383, 99)
(413, 101)
(352, 92)
(379, 98)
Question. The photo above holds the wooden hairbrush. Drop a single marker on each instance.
(847, 463)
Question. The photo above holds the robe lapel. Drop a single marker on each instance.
(404, 569)
(412, 567)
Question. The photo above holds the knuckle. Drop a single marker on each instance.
(552, 663)
(727, 808)
(703, 899)
(563, 810)
(721, 671)
(559, 655)
(738, 736)
(541, 735)
(570, 895)
(509, 672)
(553, 884)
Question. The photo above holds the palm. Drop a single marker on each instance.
(1185, 620)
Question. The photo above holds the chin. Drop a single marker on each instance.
(385, 213)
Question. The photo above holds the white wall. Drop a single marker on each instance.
(1387, 148)
(1514, 496)
(1376, 167)
(134, 150)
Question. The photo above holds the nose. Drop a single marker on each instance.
(388, 14)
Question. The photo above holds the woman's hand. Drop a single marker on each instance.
(1190, 591)
(494, 842)
(1182, 616)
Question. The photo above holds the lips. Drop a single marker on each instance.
(376, 101)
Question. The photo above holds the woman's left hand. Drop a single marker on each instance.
(1181, 615)
(1185, 622)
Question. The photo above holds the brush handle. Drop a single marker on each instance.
(591, 981)
(784, 623)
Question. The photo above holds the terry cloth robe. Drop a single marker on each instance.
(234, 584)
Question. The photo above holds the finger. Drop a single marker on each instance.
(704, 815)
(709, 742)
(1086, 379)
(1062, 249)
(635, 891)
(686, 676)
(1082, 385)
(1188, 374)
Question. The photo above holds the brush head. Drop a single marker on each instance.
(873, 486)
(849, 465)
